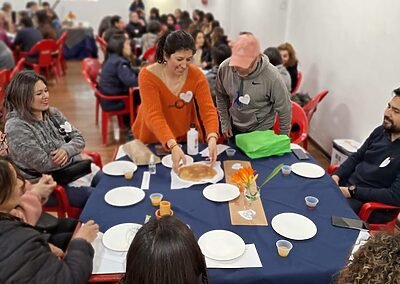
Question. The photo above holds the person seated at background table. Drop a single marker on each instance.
(154, 14)
(9, 16)
(27, 36)
(275, 58)
(6, 57)
(250, 91)
(4, 27)
(105, 24)
(377, 261)
(372, 174)
(202, 57)
(117, 26)
(149, 39)
(136, 26)
(44, 25)
(185, 21)
(169, 90)
(54, 20)
(218, 54)
(171, 22)
(136, 4)
(117, 75)
(31, 7)
(40, 139)
(290, 61)
(25, 255)
(168, 246)
(206, 27)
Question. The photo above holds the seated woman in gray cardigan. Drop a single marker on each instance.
(40, 139)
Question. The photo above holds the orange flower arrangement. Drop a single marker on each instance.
(244, 177)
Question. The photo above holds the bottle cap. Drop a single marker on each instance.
(193, 125)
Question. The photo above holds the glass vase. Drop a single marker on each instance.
(251, 193)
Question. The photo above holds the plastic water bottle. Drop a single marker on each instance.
(192, 140)
(152, 165)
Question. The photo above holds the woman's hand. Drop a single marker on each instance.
(44, 187)
(212, 150)
(60, 157)
(88, 231)
(56, 251)
(177, 156)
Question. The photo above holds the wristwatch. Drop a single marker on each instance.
(352, 190)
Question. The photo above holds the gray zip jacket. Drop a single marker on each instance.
(30, 143)
(267, 93)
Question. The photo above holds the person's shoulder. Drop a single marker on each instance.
(225, 64)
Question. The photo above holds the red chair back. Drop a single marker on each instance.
(102, 43)
(46, 48)
(61, 40)
(299, 79)
(19, 67)
(150, 55)
(299, 129)
(91, 67)
(311, 106)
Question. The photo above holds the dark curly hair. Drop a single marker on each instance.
(376, 262)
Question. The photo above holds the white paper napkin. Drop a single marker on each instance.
(177, 183)
(145, 180)
(249, 258)
(220, 148)
(362, 238)
(105, 260)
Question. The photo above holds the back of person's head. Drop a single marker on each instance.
(30, 4)
(292, 54)
(105, 24)
(171, 42)
(19, 94)
(154, 27)
(220, 53)
(116, 44)
(273, 55)
(154, 14)
(46, 4)
(165, 251)
(114, 20)
(209, 17)
(396, 92)
(376, 262)
(7, 179)
(25, 20)
(42, 17)
(214, 24)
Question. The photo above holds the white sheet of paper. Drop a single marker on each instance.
(220, 148)
(106, 261)
(249, 258)
(120, 153)
(145, 181)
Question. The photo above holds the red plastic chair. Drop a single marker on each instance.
(44, 49)
(102, 44)
(19, 67)
(369, 207)
(299, 79)
(150, 55)
(92, 67)
(299, 118)
(63, 207)
(61, 62)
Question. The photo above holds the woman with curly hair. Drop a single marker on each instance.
(376, 262)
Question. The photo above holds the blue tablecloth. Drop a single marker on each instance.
(311, 261)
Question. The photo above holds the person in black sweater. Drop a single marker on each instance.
(25, 255)
(372, 174)
(290, 61)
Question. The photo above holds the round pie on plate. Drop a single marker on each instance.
(197, 172)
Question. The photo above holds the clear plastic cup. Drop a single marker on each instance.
(156, 199)
(286, 169)
(311, 201)
(128, 174)
(230, 152)
(283, 247)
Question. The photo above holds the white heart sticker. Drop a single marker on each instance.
(186, 97)
(385, 162)
(245, 99)
(67, 127)
(237, 166)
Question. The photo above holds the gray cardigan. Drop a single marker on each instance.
(30, 143)
(268, 96)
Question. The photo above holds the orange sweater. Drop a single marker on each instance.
(163, 116)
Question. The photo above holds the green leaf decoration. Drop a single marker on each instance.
(272, 174)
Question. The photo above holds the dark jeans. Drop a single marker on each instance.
(377, 217)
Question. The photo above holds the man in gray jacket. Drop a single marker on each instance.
(250, 91)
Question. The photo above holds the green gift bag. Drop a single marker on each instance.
(260, 144)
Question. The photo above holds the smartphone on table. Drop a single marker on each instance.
(300, 154)
(349, 223)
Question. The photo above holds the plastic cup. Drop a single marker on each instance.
(156, 199)
(311, 201)
(283, 247)
(230, 152)
(286, 169)
(128, 174)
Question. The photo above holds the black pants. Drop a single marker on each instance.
(377, 217)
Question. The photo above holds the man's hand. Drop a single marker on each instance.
(88, 231)
(56, 251)
(44, 187)
(228, 133)
(336, 179)
(345, 191)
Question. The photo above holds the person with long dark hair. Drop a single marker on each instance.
(290, 61)
(165, 251)
(169, 91)
(202, 57)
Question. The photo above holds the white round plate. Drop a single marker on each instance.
(124, 196)
(294, 226)
(167, 161)
(120, 237)
(308, 170)
(118, 168)
(221, 245)
(221, 192)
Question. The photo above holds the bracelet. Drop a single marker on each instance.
(212, 136)
(174, 145)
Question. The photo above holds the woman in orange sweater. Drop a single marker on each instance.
(168, 91)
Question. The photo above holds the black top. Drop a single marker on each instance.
(135, 6)
(374, 169)
(26, 38)
(293, 75)
(135, 30)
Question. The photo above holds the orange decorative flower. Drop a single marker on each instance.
(244, 177)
